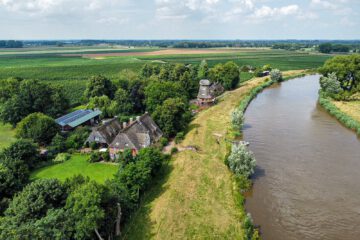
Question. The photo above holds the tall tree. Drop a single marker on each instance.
(99, 86)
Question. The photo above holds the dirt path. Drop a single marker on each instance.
(196, 199)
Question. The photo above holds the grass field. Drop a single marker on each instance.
(77, 165)
(350, 108)
(195, 198)
(7, 135)
(52, 66)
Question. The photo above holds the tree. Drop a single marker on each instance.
(99, 86)
(102, 103)
(172, 116)
(228, 74)
(121, 103)
(21, 98)
(152, 158)
(84, 207)
(237, 119)
(24, 150)
(347, 69)
(38, 127)
(241, 160)
(57, 144)
(276, 75)
(325, 48)
(203, 70)
(330, 84)
(157, 92)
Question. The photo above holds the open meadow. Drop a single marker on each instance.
(72, 67)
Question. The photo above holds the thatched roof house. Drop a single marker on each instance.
(105, 133)
(137, 134)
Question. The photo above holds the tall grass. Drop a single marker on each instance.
(345, 119)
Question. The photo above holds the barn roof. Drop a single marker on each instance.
(77, 118)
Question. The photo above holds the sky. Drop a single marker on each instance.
(180, 19)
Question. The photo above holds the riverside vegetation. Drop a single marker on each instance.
(340, 89)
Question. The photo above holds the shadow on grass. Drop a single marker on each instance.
(140, 225)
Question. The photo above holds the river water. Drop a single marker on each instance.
(307, 182)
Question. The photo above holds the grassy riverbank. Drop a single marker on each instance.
(197, 197)
(348, 113)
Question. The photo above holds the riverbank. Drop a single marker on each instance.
(348, 113)
(197, 196)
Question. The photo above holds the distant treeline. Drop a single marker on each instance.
(11, 44)
(292, 45)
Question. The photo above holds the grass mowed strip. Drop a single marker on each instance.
(77, 165)
(7, 135)
(195, 199)
(350, 108)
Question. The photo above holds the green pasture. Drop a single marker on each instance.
(77, 165)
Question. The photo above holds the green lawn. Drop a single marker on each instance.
(78, 164)
(7, 135)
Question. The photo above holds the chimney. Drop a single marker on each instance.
(138, 118)
(124, 124)
(131, 120)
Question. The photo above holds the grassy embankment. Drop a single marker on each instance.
(73, 71)
(77, 165)
(197, 197)
(7, 135)
(348, 113)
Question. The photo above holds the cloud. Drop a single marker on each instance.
(266, 12)
(324, 4)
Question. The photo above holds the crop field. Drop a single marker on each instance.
(72, 67)
(77, 165)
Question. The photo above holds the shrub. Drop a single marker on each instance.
(94, 157)
(61, 157)
(105, 156)
(164, 141)
(174, 150)
(330, 84)
(276, 75)
(237, 119)
(94, 145)
(179, 136)
(241, 161)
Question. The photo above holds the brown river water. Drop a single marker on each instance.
(307, 181)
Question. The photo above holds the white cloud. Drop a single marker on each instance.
(268, 12)
(324, 4)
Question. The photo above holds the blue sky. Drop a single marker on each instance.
(184, 19)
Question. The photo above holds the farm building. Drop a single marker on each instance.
(105, 133)
(78, 118)
(136, 135)
(208, 92)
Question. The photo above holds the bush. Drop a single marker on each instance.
(62, 157)
(164, 141)
(276, 75)
(241, 161)
(330, 84)
(237, 119)
(77, 138)
(174, 150)
(105, 156)
(95, 157)
(179, 136)
(94, 145)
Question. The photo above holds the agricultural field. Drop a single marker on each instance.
(72, 67)
(7, 135)
(76, 165)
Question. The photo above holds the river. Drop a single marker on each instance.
(307, 180)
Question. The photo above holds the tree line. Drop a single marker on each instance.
(11, 44)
